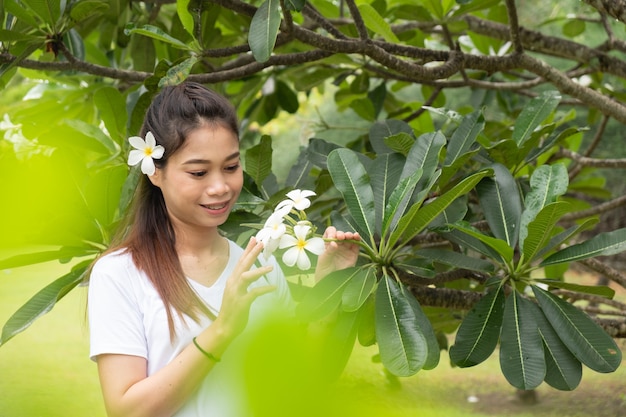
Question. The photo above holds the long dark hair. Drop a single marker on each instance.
(148, 234)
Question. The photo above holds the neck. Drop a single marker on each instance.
(200, 242)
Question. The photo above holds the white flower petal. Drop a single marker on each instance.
(290, 257)
(301, 231)
(147, 166)
(137, 142)
(287, 241)
(157, 152)
(303, 261)
(283, 208)
(135, 156)
(315, 245)
(150, 140)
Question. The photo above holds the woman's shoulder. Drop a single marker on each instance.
(117, 264)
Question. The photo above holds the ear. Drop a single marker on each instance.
(156, 178)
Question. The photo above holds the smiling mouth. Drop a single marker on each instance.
(215, 206)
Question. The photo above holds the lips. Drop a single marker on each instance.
(215, 206)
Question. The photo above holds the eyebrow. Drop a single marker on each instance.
(207, 161)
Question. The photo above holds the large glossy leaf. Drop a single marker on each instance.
(478, 334)
(562, 237)
(48, 11)
(469, 242)
(419, 217)
(601, 290)
(464, 137)
(384, 129)
(541, 229)
(399, 201)
(259, 160)
(503, 250)
(424, 155)
(264, 30)
(112, 109)
(325, 297)
(158, 34)
(583, 337)
(376, 23)
(456, 259)
(604, 244)
(384, 176)
(352, 180)
(547, 183)
(339, 343)
(535, 112)
(43, 301)
(65, 253)
(358, 290)
(521, 348)
(500, 200)
(403, 348)
(182, 9)
(563, 370)
(426, 328)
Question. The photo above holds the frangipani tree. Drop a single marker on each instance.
(470, 185)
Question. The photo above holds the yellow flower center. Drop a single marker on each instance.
(301, 243)
(147, 151)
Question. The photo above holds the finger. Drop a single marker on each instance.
(259, 291)
(249, 277)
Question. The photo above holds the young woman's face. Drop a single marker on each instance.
(202, 180)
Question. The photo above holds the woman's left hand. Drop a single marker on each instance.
(342, 252)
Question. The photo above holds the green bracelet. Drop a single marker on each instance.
(205, 353)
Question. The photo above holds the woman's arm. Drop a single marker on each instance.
(129, 392)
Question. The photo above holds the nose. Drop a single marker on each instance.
(217, 185)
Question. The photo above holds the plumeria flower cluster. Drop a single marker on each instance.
(288, 228)
(146, 151)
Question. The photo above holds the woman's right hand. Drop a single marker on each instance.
(237, 300)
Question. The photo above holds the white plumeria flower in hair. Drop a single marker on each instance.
(298, 245)
(145, 152)
(271, 233)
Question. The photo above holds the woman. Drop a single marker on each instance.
(168, 301)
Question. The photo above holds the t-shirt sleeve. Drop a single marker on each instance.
(115, 317)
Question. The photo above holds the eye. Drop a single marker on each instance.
(233, 168)
(197, 174)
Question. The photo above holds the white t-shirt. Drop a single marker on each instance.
(128, 317)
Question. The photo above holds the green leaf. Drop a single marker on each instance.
(478, 334)
(424, 155)
(352, 180)
(399, 200)
(601, 290)
(464, 137)
(358, 290)
(85, 9)
(535, 112)
(325, 296)
(418, 217)
(547, 183)
(296, 5)
(403, 348)
(264, 30)
(563, 370)
(384, 177)
(259, 160)
(377, 23)
(43, 301)
(112, 111)
(382, 130)
(521, 348)
(156, 33)
(541, 229)
(182, 8)
(583, 337)
(456, 259)
(179, 72)
(48, 11)
(564, 236)
(63, 254)
(426, 329)
(500, 200)
(502, 248)
(12, 36)
(604, 244)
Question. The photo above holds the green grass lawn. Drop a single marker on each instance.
(46, 372)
